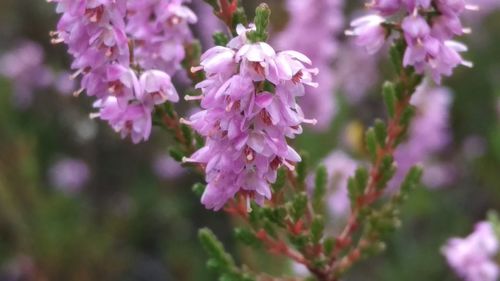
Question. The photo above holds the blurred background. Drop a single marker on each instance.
(78, 203)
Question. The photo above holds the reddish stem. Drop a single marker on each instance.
(227, 9)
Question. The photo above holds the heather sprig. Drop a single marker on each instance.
(292, 223)
(249, 110)
(125, 52)
(428, 28)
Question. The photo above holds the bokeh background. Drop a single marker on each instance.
(78, 203)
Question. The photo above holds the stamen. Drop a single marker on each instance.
(310, 121)
(289, 166)
(467, 30)
(191, 98)
(350, 33)
(467, 63)
(249, 206)
(76, 74)
(195, 69)
(77, 93)
(472, 7)
(185, 122)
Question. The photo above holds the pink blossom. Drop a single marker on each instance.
(472, 257)
(245, 126)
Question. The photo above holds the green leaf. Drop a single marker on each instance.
(352, 187)
(396, 55)
(299, 205)
(387, 170)
(220, 39)
(389, 94)
(176, 154)
(280, 180)
(239, 17)
(361, 176)
(219, 259)
(200, 142)
(371, 143)
(275, 215)
(320, 182)
(187, 133)
(169, 108)
(317, 228)
(262, 16)
(412, 180)
(380, 132)
(302, 168)
(299, 241)
(198, 189)
(329, 244)
(247, 237)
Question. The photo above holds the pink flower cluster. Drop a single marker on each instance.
(428, 29)
(125, 51)
(472, 257)
(249, 111)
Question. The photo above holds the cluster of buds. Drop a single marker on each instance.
(249, 111)
(125, 52)
(428, 28)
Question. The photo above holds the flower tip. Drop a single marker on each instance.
(468, 64)
(78, 92)
(184, 121)
(349, 33)
(472, 7)
(192, 98)
(195, 69)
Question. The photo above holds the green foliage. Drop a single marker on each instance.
(299, 205)
(220, 39)
(317, 228)
(396, 55)
(302, 168)
(319, 193)
(380, 131)
(280, 180)
(262, 16)
(389, 94)
(387, 170)
(198, 189)
(357, 185)
(247, 237)
(176, 154)
(411, 181)
(239, 17)
(220, 260)
(371, 143)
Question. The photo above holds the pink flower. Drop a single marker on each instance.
(157, 88)
(369, 32)
(472, 257)
(244, 125)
